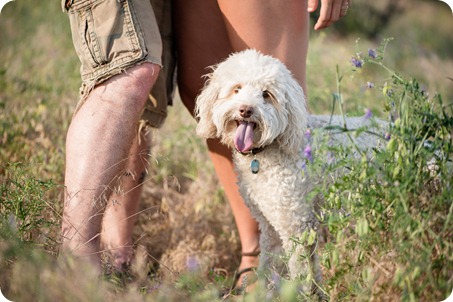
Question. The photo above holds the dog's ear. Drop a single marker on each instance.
(203, 108)
(292, 139)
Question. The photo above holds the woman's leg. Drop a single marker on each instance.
(276, 28)
(206, 36)
(202, 41)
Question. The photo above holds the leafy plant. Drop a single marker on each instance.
(390, 215)
(23, 201)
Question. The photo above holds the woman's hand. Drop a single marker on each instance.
(331, 11)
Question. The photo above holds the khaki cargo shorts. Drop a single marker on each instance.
(110, 36)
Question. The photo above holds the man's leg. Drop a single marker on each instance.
(98, 142)
(121, 212)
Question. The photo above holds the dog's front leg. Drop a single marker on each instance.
(304, 264)
(271, 249)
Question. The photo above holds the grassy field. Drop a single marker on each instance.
(394, 245)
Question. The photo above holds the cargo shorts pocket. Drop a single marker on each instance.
(106, 35)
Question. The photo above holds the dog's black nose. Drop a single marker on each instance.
(246, 111)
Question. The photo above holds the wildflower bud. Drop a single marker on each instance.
(307, 153)
(192, 263)
(368, 113)
(372, 53)
(356, 62)
(369, 85)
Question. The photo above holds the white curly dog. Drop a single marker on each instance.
(254, 105)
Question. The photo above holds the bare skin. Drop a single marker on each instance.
(101, 199)
(234, 30)
(98, 143)
(121, 212)
(277, 28)
(331, 11)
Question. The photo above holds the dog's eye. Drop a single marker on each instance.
(268, 95)
(237, 88)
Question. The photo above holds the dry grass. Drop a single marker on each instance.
(184, 215)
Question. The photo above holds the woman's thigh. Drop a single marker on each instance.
(208, 31)
(201, 41)
(277, 28)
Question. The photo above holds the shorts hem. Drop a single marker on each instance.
(152, 119)
(88, 85)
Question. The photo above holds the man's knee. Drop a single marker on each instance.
(133, 84)
(147, 74)
(141, 78)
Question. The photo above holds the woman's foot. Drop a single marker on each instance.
(245, 277)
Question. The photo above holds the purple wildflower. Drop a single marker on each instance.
(372, 53)
(387, 136)
(304, 166)
(192, 263)
(369, 84)
(153, 287)
(307, 153)
(368, 113)
(276, 279)
(308, 133)
(356, 62)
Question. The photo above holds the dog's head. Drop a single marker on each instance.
(250, 101)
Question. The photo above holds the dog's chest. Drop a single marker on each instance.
(279, 182)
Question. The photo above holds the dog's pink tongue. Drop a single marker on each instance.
(243, 139)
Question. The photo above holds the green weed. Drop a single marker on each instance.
(389, 216)
(23, 202)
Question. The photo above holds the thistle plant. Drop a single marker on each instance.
(23, 201)
(390, 215)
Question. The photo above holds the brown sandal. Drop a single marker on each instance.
(236, 289)
(251, 254)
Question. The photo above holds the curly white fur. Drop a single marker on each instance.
(253, 104)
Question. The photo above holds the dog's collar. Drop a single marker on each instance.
(254, 164)
(253, 151)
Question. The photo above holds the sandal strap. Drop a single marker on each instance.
(235, 289)
(237, 277)
(242, 271)
(251, 254)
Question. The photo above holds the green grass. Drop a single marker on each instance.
(394, 229)
(394, 244)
